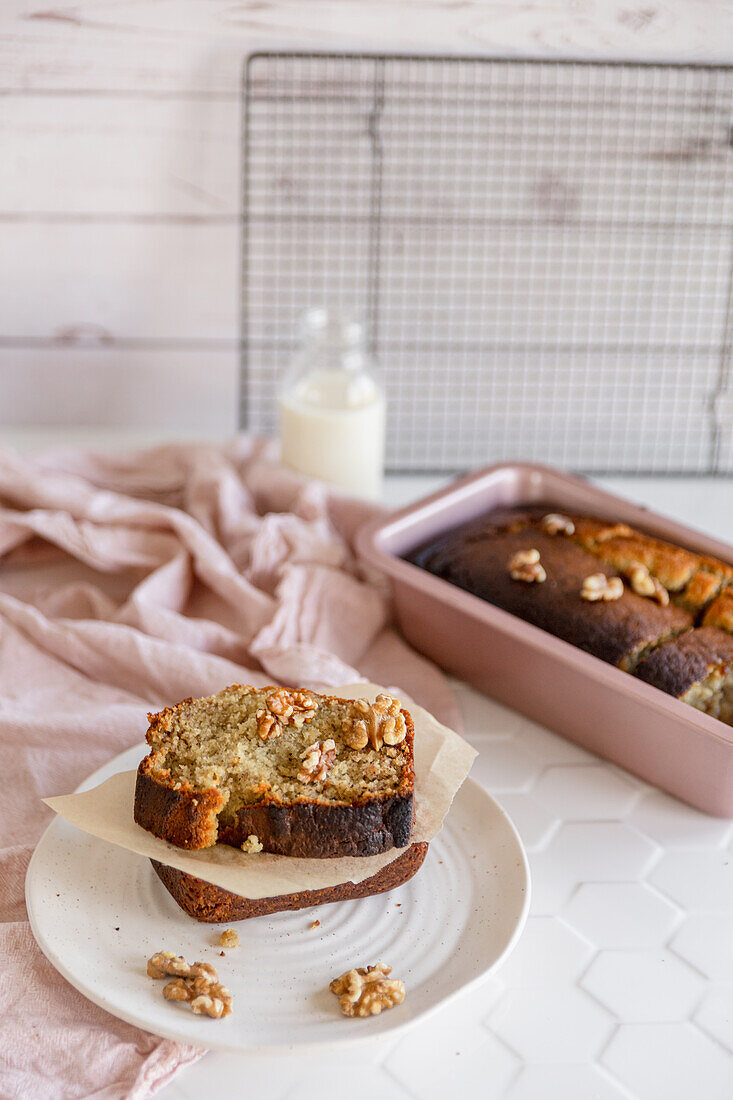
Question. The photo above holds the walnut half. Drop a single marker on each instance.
(196, 984)
(525, 566)
(600, 587)
(166, 964)
(206, 997)
(283, 708)
(367, 990)
(317, 759)
(644, 584)
(381, 723)
(556, 524)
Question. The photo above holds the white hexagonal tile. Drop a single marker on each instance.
(486, 1071)
(715, 1014)
(550, 748)
(574, 1082)
(706, 941)
(504, 766)
(549, 953)
(534, 823)
(365, 1085)
(551, 1024)
(644, 986)
(669, 1062)
(483, 717)
(421, 1060)
(675, 825)
(587, 851)
(590, 792)
(697, 880)
(620, 914)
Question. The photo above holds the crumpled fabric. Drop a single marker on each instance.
(129, 582)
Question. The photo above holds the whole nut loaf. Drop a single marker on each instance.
(651, 608)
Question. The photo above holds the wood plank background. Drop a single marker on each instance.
(119, 187)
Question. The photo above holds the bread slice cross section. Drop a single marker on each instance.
(282, 770)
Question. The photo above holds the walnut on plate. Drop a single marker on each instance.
(368, 990)
(196, 984)
(166, 964)
(229, 938)
(206, 997)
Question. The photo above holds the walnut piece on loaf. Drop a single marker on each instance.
(382, 723)
(283, 708)
(557, 524)
(316, 761)
(600, 587)
(644, 584)
(525, 566)
(368, 990)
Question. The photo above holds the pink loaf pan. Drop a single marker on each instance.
(662, 740)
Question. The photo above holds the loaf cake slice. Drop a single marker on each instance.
(205, 902)
(278, 770)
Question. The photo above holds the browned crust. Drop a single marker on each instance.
(477, 559)
(209, 903)
(720, 612)
(680, 665)
(183, 817)
(306, 827)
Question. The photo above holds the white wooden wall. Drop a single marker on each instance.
(119, 176)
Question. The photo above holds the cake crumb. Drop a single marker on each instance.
(315, 924)
(229, 938)
(252, 845)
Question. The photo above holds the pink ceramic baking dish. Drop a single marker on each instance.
(664, 741)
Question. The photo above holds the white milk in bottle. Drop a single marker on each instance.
(332, 408)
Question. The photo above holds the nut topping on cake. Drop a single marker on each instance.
(556, 524)
(368, 990)
(600, 587)
(525, 566)
(644, 584)
(284, 708)
(383, 724)
(317, 759)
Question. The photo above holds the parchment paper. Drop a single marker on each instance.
(442, 762)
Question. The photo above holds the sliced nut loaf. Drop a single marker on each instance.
(284, 771)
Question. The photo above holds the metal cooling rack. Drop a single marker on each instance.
(542, 250)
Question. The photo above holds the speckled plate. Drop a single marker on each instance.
(99, 912)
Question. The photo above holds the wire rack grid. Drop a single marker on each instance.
(542, 251)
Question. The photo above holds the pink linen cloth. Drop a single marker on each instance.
(129, 582)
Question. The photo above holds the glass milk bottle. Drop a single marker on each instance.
(332, 409)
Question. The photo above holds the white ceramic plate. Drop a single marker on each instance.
(99, 912)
